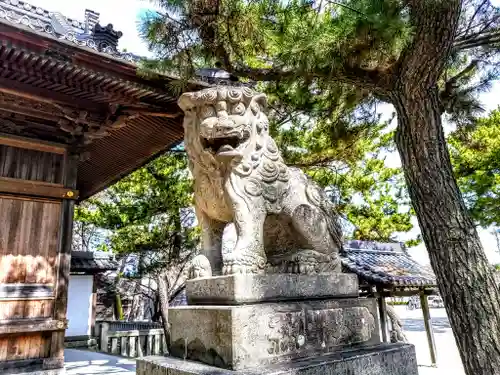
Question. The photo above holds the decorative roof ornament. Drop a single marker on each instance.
(106, 37)
(84, 34)
(220, 77)
(385, 264)
(91, 19)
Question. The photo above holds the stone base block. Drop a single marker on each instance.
(33, 367)
(386, 359)
(243, 288)
(238, 337)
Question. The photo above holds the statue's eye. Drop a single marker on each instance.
(239, 109)
(208, 111)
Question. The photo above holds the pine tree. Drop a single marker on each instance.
(348, 52)
(144, 214)
(349, 164)
(475, 154)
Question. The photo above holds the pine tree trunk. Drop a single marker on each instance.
(464, 276)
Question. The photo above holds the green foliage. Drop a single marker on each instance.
(318, 123)
(319, 62)
(295, 33)
(475, 153)
(144, 212)
(325, 59)
(349, 164)
(86, 235)
(326, 50)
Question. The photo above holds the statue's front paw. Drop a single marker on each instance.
(200, 267)
(234, 264)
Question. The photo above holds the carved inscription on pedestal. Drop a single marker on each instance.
(303, 330)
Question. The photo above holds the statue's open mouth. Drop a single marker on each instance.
(223, 145)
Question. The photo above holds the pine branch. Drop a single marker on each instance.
(322, 161)
(478, 9)
(346, 7)
(477, 40)
(468, 69)
(374, 79)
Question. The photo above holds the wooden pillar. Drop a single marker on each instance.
(93, 307)
(428, 327)
(36, 211)
(64, 264)
(382, 310)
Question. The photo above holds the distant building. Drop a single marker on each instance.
(82, 292)
(75, 117)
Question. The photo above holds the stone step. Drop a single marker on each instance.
(383, 359)
(239, 337)
(253, 288)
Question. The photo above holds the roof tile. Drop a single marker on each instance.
(385, 263)
(92, 262)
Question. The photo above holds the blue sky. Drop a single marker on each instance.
(123, 14)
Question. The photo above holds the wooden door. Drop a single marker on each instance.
(36, 208)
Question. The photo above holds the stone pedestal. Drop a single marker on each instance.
(383, 359)
(245, 289)
(278, 324)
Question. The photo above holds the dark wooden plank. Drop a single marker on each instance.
(382, 310)
(3, 351)
(23, 90)
(64, 257)
(25, 291)
(24, 110)
(20, 351)
(93, 311)
(35, 188)
(31, 325)
(35, 346)
(24, 143)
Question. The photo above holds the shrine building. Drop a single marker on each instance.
(75, 117)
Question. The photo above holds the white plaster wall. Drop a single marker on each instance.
(79, 305)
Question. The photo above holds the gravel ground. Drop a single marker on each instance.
(448, 359)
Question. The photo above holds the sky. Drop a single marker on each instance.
(123, 14)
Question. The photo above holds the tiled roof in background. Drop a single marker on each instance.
(92, 262)
(88, 33)
(388, 264)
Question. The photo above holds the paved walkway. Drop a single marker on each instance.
(81, 362)
(449, 361)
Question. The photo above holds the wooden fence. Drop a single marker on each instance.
(131, 339)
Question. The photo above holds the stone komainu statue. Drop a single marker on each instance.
(284, 221)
